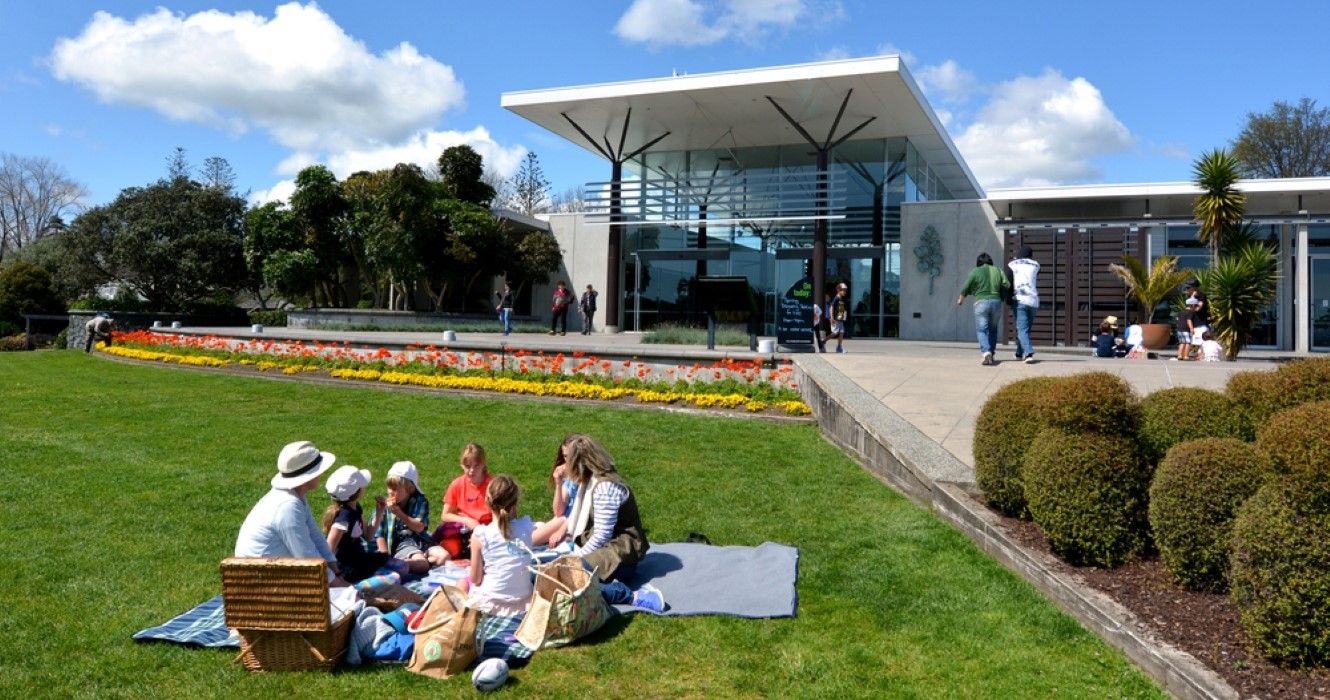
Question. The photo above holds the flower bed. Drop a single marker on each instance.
(726, 384)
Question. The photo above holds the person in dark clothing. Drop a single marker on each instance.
(587, 307)
(562, 300)
(505, 308)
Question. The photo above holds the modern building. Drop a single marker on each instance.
(797, 177)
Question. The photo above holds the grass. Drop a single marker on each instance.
(128, 484)
(675, 334)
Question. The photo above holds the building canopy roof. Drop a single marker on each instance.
(731, 110)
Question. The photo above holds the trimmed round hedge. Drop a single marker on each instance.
(1298, 440)
(1007, 424)
(1261, 394)
(1097, 402)
(1281, 570)
(1087, 491)
(1179, 414)
(1194, 497)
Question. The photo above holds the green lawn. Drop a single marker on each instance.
(127, 485)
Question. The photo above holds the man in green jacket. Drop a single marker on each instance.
(986, 283)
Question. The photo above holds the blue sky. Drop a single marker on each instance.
(1033, 92)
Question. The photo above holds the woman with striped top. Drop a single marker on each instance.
(604, 525)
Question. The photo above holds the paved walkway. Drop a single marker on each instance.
(937, 387)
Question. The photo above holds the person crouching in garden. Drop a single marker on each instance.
(98, 328)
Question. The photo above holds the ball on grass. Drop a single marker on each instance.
(489, 675)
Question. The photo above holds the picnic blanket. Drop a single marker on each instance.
(205, 625)
(702, 579)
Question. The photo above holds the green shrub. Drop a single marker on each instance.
(13, 343)
(1194, 497)
(7, 329)
(1008, 423)
(274, 318)
(1281, 570)
(1255, 393)
(1298, 440)
(1263, 394)
(1179, 414)
(61, 339)
(1087, 491)
(1096, 402)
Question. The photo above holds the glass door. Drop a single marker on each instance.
(1320, 302)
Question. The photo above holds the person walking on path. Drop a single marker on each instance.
(839, 313)
(562, 300)
(819, 319)
(587, 307)
(97, 328)
(1024, 300)
(505, 308)
(986, 283)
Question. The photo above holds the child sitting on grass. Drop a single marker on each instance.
(464, 506)
(565, 492)
(344, 523)
(402, 532)
(500, 553)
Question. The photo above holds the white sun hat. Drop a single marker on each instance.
(346, 481)
(406, 470)
(299, 462)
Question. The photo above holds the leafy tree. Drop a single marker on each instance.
(269, 229)
(536, 255)
(1286, 141)
(320, 211)
(26, 288)
(172, 243)
(218, 174)
(35, 193)
(1220, 206)
(177, 165)
(475, 248)
(292, 273)
(531, 191)
(462, 172)
(361, 190)
(404, 227)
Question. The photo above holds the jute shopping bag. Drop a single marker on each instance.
(565, 606)
(445, 635)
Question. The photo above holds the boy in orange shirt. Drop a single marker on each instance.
(464, 507)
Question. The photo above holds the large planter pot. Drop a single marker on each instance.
(1155, 336)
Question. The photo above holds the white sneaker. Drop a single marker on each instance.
(988, 359)
(1029, 359)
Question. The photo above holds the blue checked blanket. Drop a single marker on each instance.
(205, 626)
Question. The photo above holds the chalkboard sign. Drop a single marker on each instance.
(794, 318)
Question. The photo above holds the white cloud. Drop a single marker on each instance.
(835, 53)
(699, 22)
(947, 81)
(280, 192)
(893, 50)
(1178, 151)
(1041, 130)
(296, 75)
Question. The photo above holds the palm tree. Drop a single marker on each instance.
(1150, 287)
(1220, 207)
(1240, 286)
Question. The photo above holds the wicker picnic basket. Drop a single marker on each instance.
(279, 605)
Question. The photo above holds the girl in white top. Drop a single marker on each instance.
(500, 580)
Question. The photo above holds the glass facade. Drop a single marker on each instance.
(751, 212)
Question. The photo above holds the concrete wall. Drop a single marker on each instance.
(964, 228)
(584, 262)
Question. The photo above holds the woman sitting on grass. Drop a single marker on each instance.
(605, 525)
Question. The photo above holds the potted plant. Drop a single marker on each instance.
(1151, 287)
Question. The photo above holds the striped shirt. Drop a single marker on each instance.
(605, 502)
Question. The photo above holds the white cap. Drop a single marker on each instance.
(406, 470)
(346, 482)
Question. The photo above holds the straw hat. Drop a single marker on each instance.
(300, 462)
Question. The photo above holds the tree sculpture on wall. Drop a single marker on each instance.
(929, 252)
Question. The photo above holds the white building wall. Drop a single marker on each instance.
(965, 228)
(584, 262)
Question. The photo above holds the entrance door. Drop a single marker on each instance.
(1320, 302)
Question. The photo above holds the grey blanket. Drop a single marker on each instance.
(701, 579)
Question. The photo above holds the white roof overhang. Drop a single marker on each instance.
(731, 110)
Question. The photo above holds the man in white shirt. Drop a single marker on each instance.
(1024, 300)
(281, 524)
